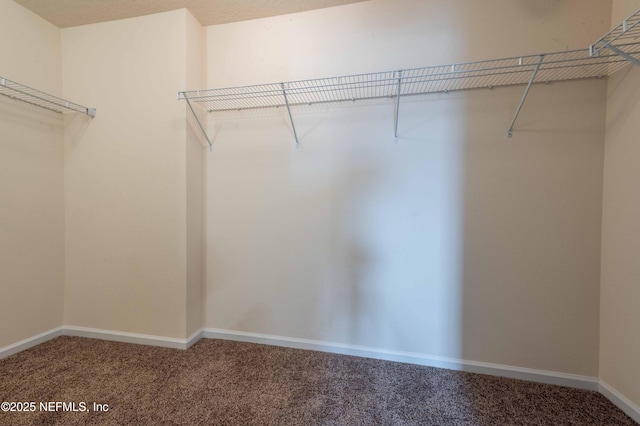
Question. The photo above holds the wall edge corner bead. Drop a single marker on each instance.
(610, 53)
(32, 96)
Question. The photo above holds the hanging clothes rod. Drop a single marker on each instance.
(44, 100)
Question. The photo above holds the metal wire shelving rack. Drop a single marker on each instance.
(44, 100)
(609, 54)
(628, 31)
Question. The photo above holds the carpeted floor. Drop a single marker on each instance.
(220, 382)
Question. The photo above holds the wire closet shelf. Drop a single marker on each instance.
(44, 100)
(437, 79)
(600, 60)
(628, 31)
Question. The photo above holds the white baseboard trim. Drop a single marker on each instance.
(534, 375)
(125, 337)
(540, 376)
(193, 339)
(619, 400)
(30, 342)
(95, 333)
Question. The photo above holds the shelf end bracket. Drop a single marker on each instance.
(199, 123)
(624, 55)
(395, 122)
(286, 101)
(524, 96)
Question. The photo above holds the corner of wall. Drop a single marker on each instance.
(619, 349)
(195, 62)
(31, 180)
(125, 177)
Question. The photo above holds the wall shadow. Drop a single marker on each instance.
(532, 214)
(357, 237)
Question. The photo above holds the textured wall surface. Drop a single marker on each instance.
(125, 176)
(620, 292)
(31, 180)
(456, 241)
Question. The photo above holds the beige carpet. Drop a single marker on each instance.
(229, 383)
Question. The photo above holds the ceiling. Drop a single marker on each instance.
(71, 13)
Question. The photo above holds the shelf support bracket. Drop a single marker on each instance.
(524, 96)
(395, 122)
(623, 54)
(286, 101)
(199, 124)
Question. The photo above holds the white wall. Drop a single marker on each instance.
(195, 64)
(31, 180)
(620, 292)
(383, 35)
(455, 242)
(126, 176)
